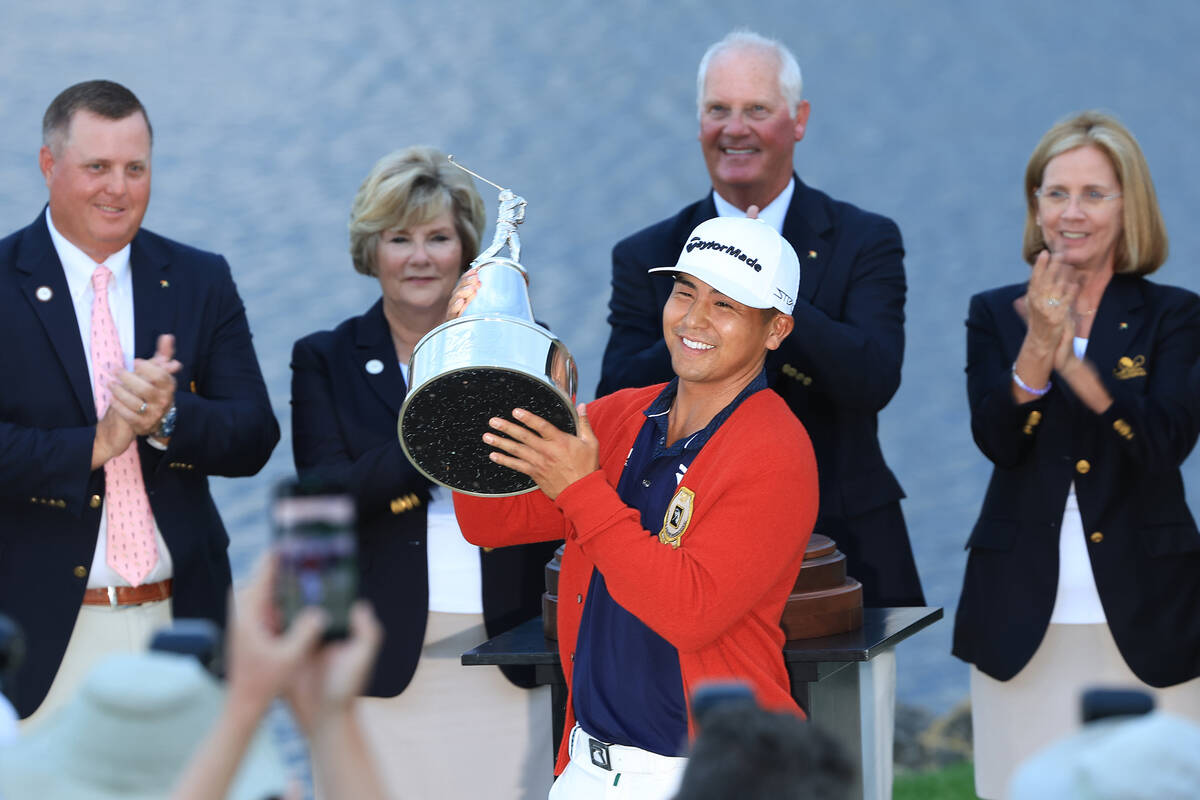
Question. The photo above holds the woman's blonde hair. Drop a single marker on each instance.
(411, 187)
(1142, 247)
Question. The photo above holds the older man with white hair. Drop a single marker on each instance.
(841, 366)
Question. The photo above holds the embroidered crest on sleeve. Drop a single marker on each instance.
(678, 516)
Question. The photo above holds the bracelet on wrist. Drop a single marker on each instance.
(1035, 392)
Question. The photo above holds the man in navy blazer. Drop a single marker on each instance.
(841, 365)
(192, 404)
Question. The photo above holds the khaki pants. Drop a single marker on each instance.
(1014, 719)
(99, 631)
(456, 731)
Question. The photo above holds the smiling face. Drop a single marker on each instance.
(418, 266)
(747, 131)
(1087, 236)
(715, 340)
(99, 181)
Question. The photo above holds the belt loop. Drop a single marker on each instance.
(112, 596)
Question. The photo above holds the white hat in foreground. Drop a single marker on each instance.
(1153, 757)
(744, 259)
(128, 733)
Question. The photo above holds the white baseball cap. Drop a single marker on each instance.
(744, 259)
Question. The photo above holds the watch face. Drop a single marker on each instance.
(167, 425)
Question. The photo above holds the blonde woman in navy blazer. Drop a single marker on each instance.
(1084, 565)
(415, 225)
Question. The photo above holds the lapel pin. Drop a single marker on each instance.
(164, 283)
(44, 293)
(812, 254)
(1124, 326)
(374, 366)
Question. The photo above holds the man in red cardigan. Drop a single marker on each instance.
(686, 508)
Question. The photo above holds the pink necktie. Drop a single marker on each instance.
(131, 548)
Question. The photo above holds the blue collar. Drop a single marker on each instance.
(659, 410)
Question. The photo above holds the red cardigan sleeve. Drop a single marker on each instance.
(501, 521)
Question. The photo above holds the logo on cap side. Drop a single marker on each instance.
(696, 243)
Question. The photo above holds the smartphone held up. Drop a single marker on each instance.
(314, 537)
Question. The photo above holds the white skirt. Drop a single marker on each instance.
(1012, 720)
(457, 731)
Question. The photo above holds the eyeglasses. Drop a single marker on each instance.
(1059, 198)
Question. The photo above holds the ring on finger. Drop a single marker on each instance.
(142, 408)
(1052, 301)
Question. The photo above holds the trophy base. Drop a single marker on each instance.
(443, 422)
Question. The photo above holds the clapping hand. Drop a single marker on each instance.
(1047, 303)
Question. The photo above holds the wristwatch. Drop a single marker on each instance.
(166, 426)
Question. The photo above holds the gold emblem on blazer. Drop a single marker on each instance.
(678, 516)
(1130, 367)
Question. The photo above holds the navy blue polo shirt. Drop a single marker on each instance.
(626, 687)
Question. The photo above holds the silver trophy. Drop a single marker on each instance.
(493, 358)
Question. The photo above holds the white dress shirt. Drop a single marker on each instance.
(78, 267)
(455, 572)
(774, 213)
(1077, 601)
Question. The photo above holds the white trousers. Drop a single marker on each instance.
(634, 773)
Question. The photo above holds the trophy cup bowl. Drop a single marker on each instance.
(493, 358)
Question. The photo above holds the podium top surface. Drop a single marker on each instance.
(882, 628)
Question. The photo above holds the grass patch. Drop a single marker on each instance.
(956, 782)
